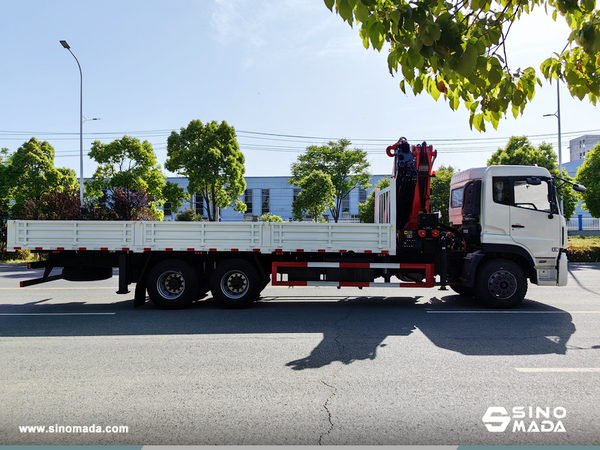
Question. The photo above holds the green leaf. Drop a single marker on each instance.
(403, 86)
(495, 75)
(454, 101)
(414, 58)
(361, 12)
(467, 61)
(518, 98)
(495, 119)
(408, 72)
(478, 122)
(434, 91)
(329, 4)
(515, 111)
(494, 35)
(376, 32)
(417, 86)
(366, 42)
(572, 76)
(345, 10)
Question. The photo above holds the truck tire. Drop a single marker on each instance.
(235, 284)
(500, 283)
(172, 284)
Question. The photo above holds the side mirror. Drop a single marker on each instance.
(553, 210)
(534, 181)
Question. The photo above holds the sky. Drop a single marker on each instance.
(285, 73)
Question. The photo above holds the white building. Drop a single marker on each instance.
(270, 195)
(580, 146)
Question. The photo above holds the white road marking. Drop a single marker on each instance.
(511, 312)
(558, 369)
(59, 314)
(58, 288)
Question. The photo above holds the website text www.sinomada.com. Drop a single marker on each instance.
(73, 429)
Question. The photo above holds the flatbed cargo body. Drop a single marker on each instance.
(137, 237)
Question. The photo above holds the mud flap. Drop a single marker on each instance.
(563, 272)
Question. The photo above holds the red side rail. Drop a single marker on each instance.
(429, 274)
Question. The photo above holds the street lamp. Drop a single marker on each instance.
(557, 115)
(81, 120)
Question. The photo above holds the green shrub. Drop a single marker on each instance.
(19, 256)
(583, 254)
(189, 215)
(268, 217)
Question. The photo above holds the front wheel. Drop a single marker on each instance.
(172, 284)
(500, 283)
(235, 284)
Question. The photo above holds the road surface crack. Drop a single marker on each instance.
(326, 406)
(342, 351)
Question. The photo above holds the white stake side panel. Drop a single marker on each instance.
(200, 236)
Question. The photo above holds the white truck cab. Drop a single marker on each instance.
(512, 211)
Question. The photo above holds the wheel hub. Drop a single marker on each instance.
(171, 284)
(502, 284)
(234, 284)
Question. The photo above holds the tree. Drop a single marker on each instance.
(587, 175)
(458, 49)
(30, 173)
(440, 192)
(132, 205)
(5, 187)
(175, 195)
(129, 166)
(64, 205)
(4, 198)
(366, 210)
(318, 194)
(346, 167)
(520, 152)
(210, 157)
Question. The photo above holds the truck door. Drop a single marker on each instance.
(534, 222)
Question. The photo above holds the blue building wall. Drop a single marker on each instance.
(571, 168)
(280, 194)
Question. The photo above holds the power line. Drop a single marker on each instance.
(374, 145)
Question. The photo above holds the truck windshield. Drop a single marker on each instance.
(519, 192)
(532, 196)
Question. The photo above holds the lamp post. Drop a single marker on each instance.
(81, 120)
(557, 115)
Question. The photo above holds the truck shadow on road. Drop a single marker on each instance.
(353, 328)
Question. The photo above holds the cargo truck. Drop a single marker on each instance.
(506, 229)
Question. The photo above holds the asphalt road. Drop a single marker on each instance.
(303, 366)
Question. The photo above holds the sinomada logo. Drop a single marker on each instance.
(526, 419)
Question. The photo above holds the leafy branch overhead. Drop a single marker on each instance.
(458, 49)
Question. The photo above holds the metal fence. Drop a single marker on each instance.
(584, 223)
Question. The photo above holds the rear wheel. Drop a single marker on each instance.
(235, 284)
(500, 283)
(172, 284)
